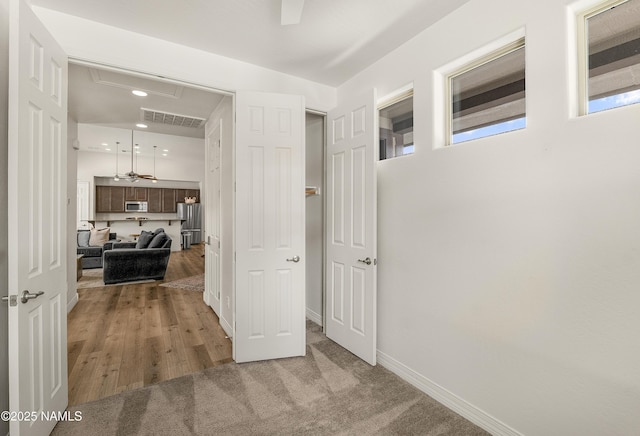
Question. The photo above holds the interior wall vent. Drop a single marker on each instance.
(154, 116)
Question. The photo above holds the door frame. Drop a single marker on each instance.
(127, 70)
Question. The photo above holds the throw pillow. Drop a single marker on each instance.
(158, 240)
(98, 237)
(83, 238)
(144, 239)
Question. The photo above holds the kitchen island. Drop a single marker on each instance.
(124, 225)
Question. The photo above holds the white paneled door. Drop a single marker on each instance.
(269, 226)
(213, 214)
(351, 226)
(37, 224)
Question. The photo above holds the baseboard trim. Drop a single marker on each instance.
(315, 317)
(72, 303)
(445, 397)
(226, 327)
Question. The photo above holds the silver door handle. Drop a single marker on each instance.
(26, 296)
(295, 259)
(366, 261)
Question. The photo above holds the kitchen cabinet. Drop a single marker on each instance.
(159, 200)
(182, 193)
(134, 193)
(110, 198)
(194, 193)
(168, 200)
(154, 200)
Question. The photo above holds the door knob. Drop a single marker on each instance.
(294, 259)
(366, 261)
(26, 296)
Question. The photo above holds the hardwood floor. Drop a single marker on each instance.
(123, 337)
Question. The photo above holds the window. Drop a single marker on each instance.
(487, 97)
(396, 126)
(612, 62)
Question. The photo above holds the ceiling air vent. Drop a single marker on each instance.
(154, 116)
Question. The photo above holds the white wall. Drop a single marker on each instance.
(116, 47)
(4, 280)
(509, 266)
(314, 231)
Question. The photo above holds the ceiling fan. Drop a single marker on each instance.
(291, 12)
(132, 176)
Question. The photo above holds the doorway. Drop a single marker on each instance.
(314, 208)
(146, 332)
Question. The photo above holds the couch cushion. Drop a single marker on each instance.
(158, 240)
(98, 237)
(83, 238)
(90, 251)
(144, 239)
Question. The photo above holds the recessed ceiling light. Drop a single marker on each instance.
(108, 149)
(164, 154)
(166, 151)
(137, 152)
(137, 146)
(139, 93)
(142, 126)
(104, 143)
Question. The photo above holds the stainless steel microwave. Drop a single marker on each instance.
(135, 206)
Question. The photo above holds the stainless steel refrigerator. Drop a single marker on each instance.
(191, 216)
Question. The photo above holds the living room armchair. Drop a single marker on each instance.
(131, 261)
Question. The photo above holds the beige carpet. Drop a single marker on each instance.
(193, 283)
(327, 392)
(92, 278)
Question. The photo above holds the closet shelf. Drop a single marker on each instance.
(311, 191)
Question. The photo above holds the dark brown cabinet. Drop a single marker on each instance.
(168, 200)
(194, 193)
(110, 198)
(182, 193)
(154, 199)
(134, 193)
(159, 200)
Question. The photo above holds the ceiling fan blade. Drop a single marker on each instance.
(291, 12)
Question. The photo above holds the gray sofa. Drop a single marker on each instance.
(92, 256)
(146, 259)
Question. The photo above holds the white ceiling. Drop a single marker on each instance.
(334, 40)
(104, 98)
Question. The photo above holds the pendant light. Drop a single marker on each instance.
(154, 180)
(116, 178)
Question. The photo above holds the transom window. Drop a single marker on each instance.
(612, 65)
(396, 126)
(487, 97)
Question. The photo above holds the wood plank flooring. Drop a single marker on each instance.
(123, 337)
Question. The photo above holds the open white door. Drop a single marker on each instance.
(351, 227)
(213, 214)
(37, 223)
(270, 226)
